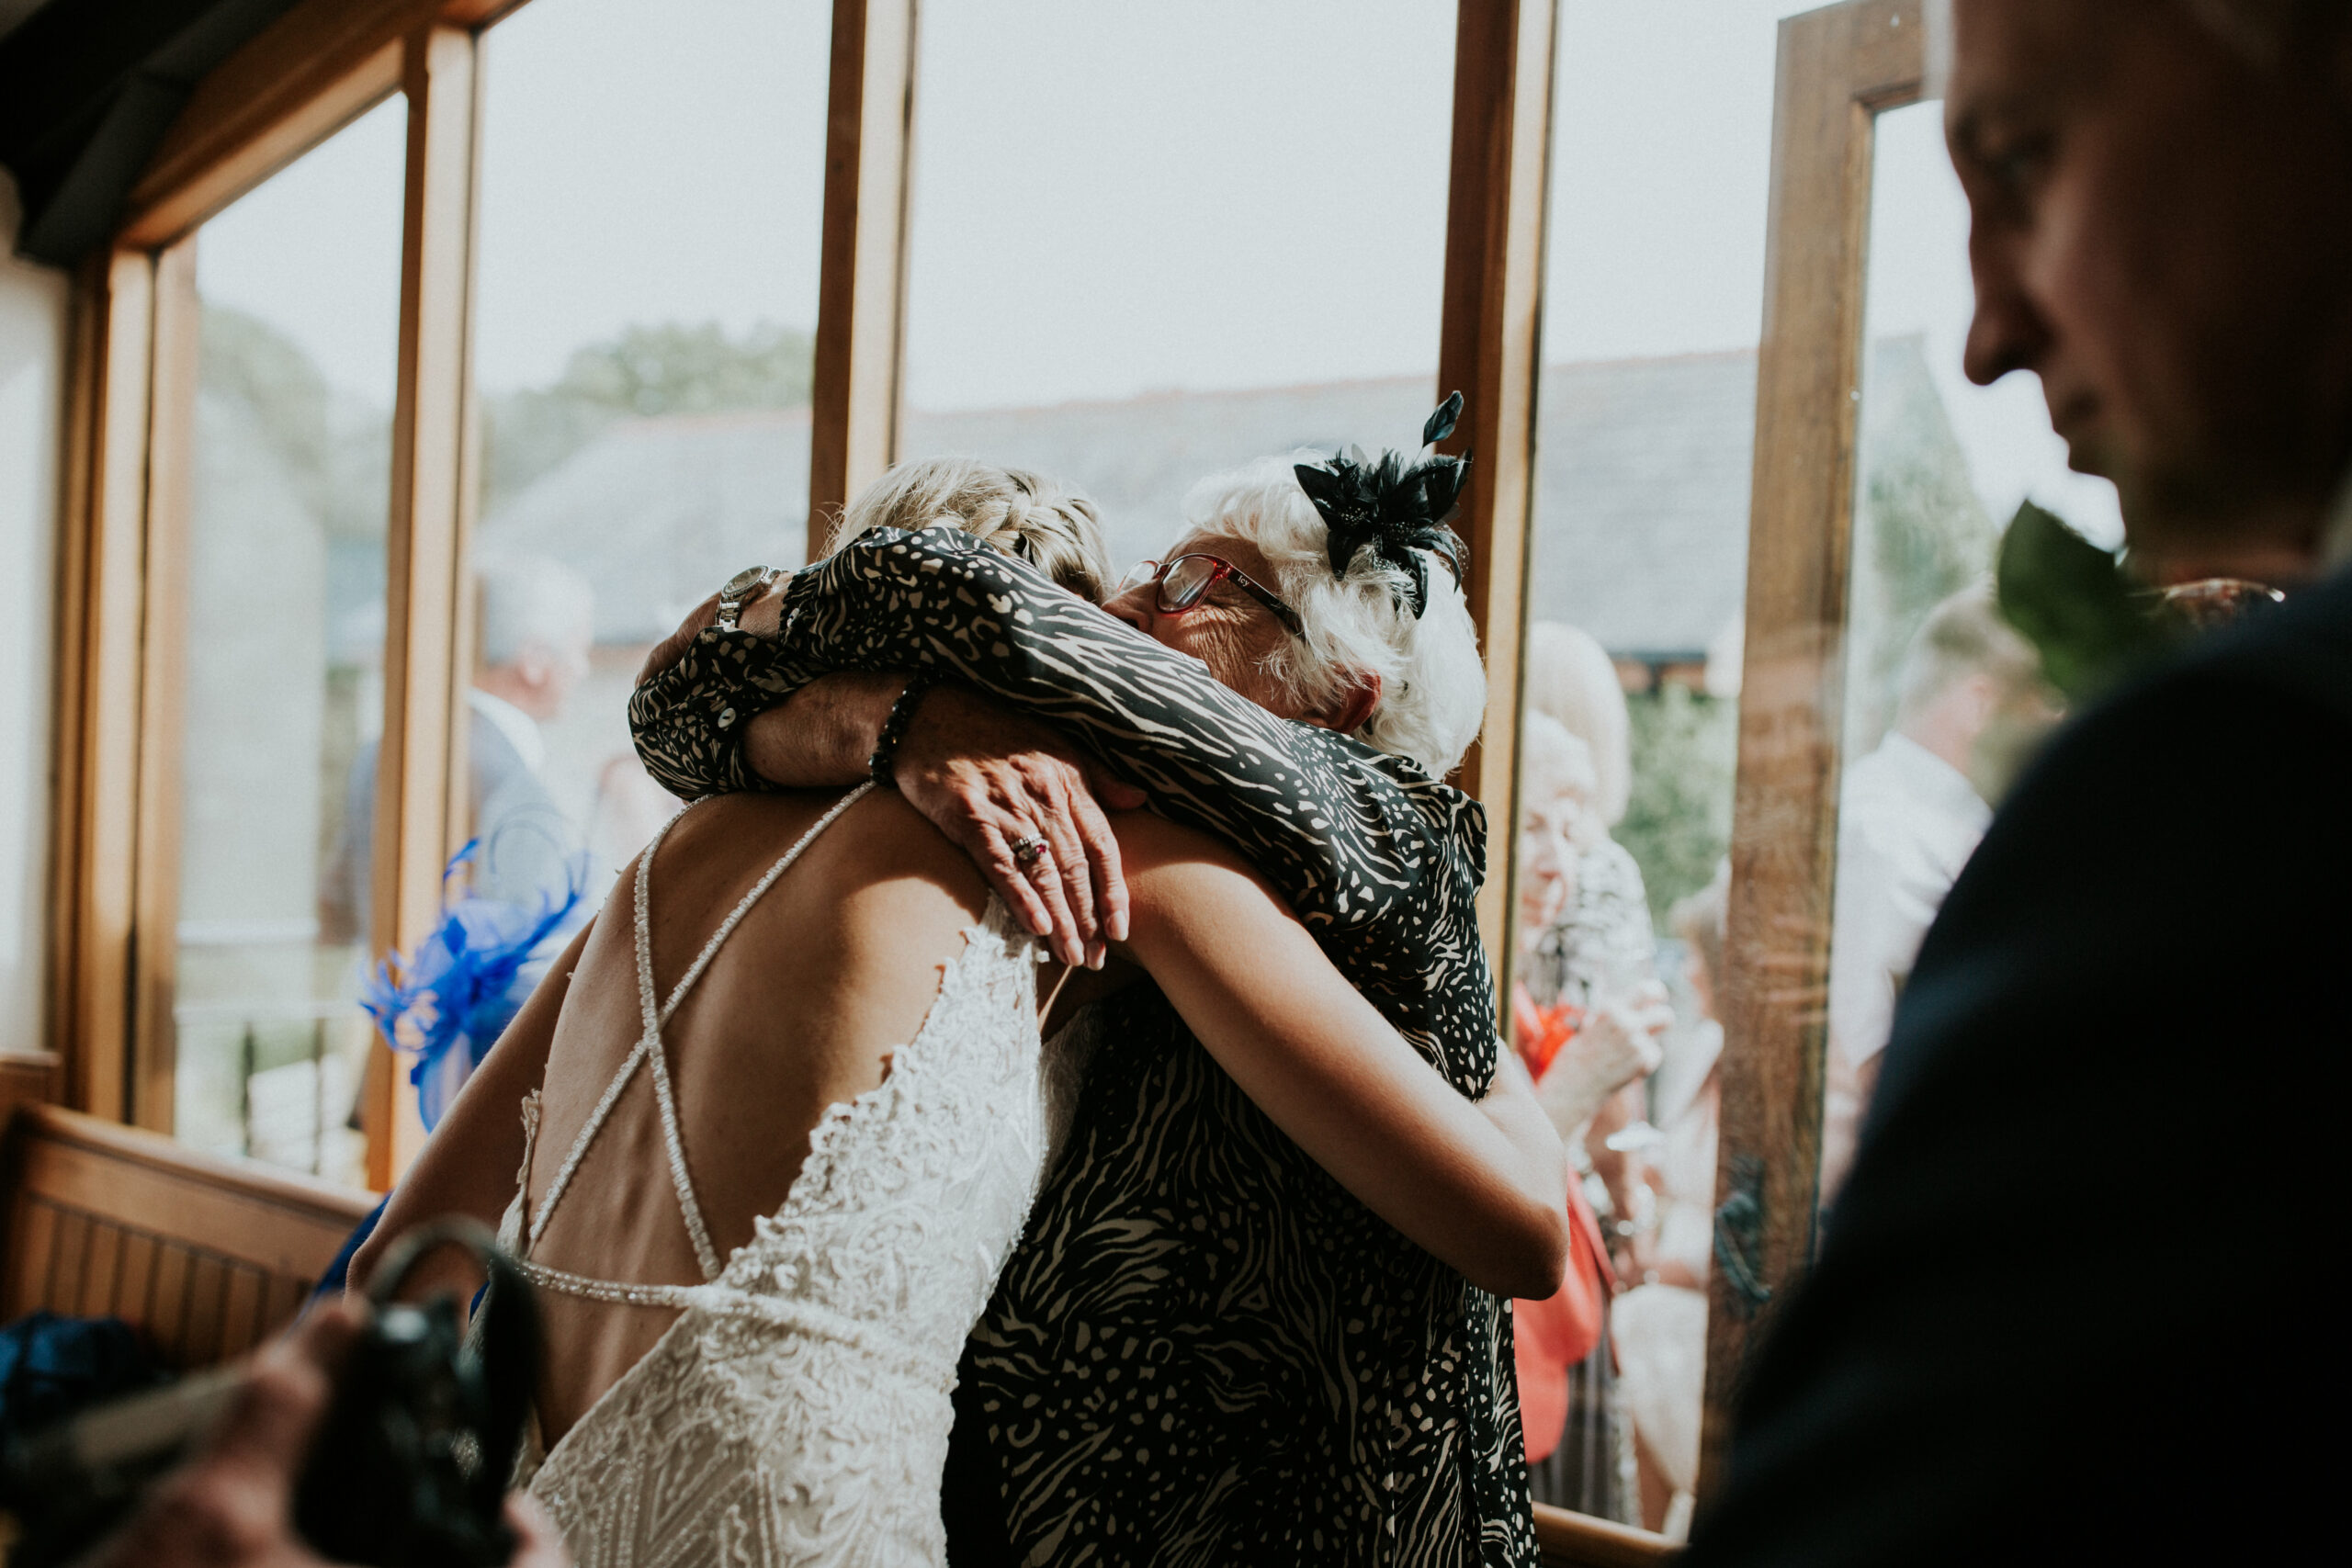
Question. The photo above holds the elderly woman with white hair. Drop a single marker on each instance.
(1204, 1348)
(1602, 940)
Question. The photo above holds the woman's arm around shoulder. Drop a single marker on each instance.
(937, 599)
(1481, 1185)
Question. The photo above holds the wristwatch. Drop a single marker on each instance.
(740, 590)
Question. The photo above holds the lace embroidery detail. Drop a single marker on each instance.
(797, 1411)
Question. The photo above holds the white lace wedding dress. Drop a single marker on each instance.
(797, 1411)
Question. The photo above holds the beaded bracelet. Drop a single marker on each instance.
(894, 729)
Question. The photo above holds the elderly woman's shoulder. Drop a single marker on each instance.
(1451, 811)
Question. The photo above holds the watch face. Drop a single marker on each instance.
(743, 581)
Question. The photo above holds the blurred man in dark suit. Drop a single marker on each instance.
(2069, 1307)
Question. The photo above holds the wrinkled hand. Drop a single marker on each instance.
(233, 1505)
(1618, 1044)
(989, 778)
(760, 617)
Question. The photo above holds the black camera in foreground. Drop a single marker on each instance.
(409, 1467)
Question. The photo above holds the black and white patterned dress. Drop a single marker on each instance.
(1204, 1349)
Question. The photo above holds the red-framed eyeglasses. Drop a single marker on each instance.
(1181, 582)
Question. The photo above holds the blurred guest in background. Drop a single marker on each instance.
(1556, 778)
(537, 619)
(2136, 990)
(1601, 940)
(1590, 1039)
(1659, 1327)
(1908, 818)
(1602, 952)
(1571, 679)
(1582, 1067)
(1590, 1048)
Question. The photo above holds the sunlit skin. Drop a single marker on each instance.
(2162, 232)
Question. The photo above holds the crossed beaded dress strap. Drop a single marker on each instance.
(649, 1049)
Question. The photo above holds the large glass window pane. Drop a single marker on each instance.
(282, 670)
(1944, 697)
(652, 180)
(1637, 573)
(1153, 242)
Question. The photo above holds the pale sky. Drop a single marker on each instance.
(1114, 196)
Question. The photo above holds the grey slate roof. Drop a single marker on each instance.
(1642, 504)
(657, 512)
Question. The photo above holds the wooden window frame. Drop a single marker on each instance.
(1491, 349)
(131, 407)
(130, 430)
(130, 434)
(1836, 70)
(1840, 68)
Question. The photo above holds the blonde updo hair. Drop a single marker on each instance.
(1045, 523)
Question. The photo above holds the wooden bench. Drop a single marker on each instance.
(206, 1257)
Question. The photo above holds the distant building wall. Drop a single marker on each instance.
(32, 380)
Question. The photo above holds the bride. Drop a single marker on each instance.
(766, 1137)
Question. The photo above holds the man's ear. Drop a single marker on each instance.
(1983, 699)
(534, 663)
(1352, 708)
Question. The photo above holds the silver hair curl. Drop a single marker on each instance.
(1433, 686)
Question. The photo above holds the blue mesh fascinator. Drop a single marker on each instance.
(444, 1005)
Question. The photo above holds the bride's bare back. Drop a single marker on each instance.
(831, 970)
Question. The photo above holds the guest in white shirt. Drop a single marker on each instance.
(1909, 816)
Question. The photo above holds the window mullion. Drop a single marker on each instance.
(422, 677)
(1489, 351)
(861, 292)
(1837, 66)
(97, 815)
(163, 694)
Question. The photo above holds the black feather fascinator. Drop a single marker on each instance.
(1396, 506)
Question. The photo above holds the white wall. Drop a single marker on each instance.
(33, 370)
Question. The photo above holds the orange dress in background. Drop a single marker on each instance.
(1551, 1336)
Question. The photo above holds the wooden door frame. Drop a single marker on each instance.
(1490, 349)
(1838, 69)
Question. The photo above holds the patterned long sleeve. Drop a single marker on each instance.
(1337, 817)
(1355, 839)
